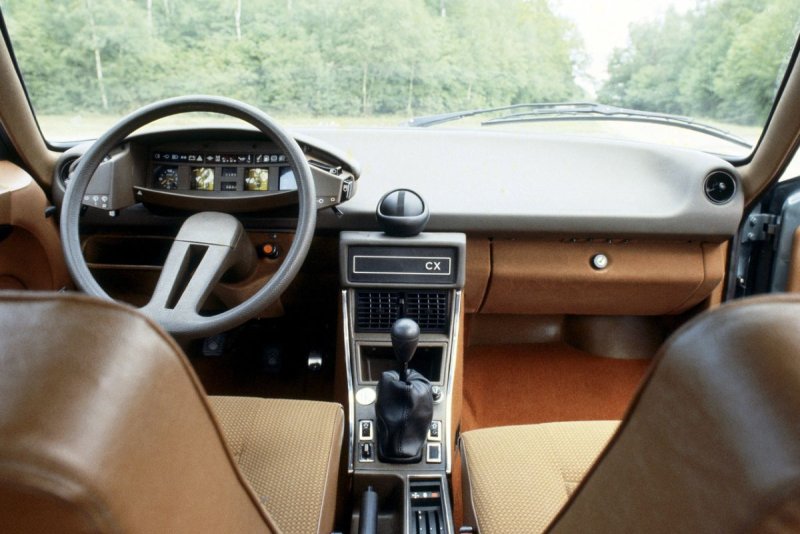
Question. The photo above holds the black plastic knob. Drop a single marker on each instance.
(405, 337)
(402, 213)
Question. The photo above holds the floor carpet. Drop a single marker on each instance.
(522, 384)
(525, 384)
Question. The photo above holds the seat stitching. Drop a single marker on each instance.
(464, 447)
(327, 465)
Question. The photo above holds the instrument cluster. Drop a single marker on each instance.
(215, 171)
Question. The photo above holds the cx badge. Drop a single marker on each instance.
(433, 266)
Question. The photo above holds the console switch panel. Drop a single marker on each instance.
(427, 513)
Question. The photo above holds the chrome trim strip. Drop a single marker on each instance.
(449, 267)
(455, 329)
(351, 414)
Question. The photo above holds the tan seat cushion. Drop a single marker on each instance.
(517, 478)
(289, 452)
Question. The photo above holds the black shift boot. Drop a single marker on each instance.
(404, 410)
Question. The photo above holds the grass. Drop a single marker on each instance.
(88, 126)
(64, 128)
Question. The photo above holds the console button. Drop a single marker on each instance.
(434, 453)
(365, 396)
(435, 431)
(365, 430)
(365, 451)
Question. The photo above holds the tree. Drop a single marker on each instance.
(718, 61)
(315, 57)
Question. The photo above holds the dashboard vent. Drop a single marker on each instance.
(376, 310)
(720, 187)
(64, 169)
(428, 308)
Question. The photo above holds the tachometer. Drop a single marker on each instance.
(166, 177)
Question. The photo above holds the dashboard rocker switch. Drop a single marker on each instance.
(433, 453)
(365, 430)
(366, 452)
(435, 431)
(348, 189)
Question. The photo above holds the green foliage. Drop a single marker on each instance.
(311, 57)
(717, 61)
(366, 57)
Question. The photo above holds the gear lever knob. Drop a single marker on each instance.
(405, 337)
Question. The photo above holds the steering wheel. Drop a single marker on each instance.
(209, 244)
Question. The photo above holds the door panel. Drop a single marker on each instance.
(30, 248)
(793, 277)
(768, 254)
(784, 269)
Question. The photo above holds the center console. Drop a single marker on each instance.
(401, 299)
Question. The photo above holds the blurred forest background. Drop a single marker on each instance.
(721, 60)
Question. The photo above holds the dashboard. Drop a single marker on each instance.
(234, 171)
(536, 209)
(474, 181)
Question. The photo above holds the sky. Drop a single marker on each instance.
(604, 24)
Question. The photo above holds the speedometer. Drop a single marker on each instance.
(166, 177)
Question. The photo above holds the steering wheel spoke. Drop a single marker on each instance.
(187, 278)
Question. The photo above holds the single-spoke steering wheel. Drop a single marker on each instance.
(209, 244)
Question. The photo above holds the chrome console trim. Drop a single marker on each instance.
(351, 413)
(455, 330)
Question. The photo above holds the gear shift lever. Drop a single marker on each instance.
(404, 407)
(405, 338)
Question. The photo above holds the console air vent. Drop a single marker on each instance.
(428, 309)
(376, 310)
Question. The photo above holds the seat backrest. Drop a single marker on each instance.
(105, 428)
(712, 441)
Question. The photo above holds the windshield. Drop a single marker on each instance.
(381, 63)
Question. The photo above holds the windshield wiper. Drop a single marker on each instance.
(430, 120)
(586, 111)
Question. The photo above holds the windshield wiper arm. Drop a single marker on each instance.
(571, 111)
(430, 120)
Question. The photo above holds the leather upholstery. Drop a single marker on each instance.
(289, 452)
(403, 410)
(105, 428)
(712, 440)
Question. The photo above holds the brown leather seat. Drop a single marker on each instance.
(105, 428)
(711, 442)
